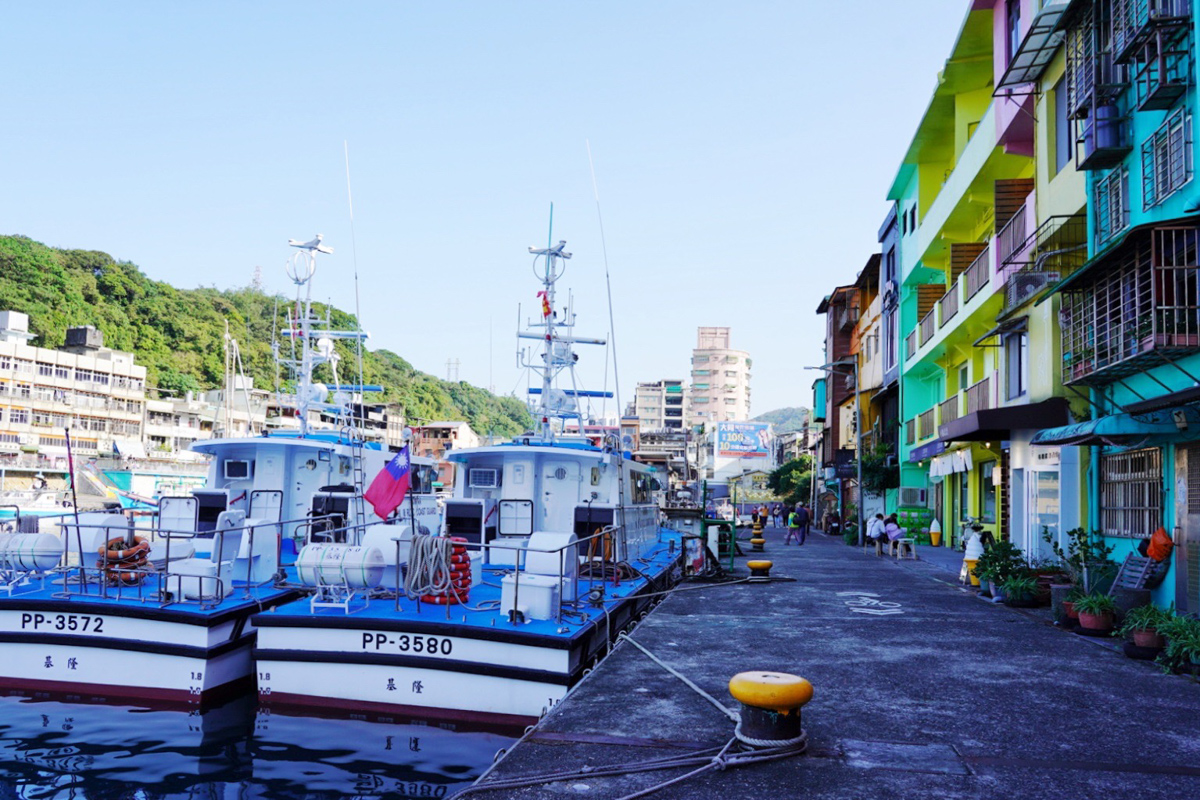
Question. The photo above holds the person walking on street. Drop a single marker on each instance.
(803, 518)
(778, 515)
(793, 528)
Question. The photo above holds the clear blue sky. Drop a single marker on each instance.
(742, 153)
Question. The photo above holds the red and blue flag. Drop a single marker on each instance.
(390, 485)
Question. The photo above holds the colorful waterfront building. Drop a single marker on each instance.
(989, 220)
(1129, 318)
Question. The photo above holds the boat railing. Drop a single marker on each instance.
(81, 579)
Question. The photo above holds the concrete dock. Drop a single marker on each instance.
(943, 695)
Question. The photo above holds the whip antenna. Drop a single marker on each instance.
(612, 332)
(354, 261)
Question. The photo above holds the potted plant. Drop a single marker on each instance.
(1182, 651)
(1020, 590)
(998, 563)
(1142, 625)
(1096, 612)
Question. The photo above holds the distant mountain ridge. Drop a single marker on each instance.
(178, 333)
(785, 420)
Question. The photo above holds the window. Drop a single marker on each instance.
(700, 372)
(1046, 502)
(700, 385)
(730, 373)
(987, 493)
(5, 363)
(1167, 159)
(1016, 355)
(44, 369)
(700, 359)
(18, 416)
(964, 495)
(62, 372)
(964, 377)
(1013, 27)
(1064, 145)
(1112, 207)
(912, 217)
(1131, 490)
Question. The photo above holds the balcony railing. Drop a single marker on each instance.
(926, 424)
(929, 325)
(979, 396)
(910, 431)
(1011, 237)
(948, 410)
(910, 343)
(976, 276)
(948, 305)
(1138, 312)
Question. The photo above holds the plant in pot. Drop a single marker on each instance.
(998, 563)
(1085, 559)
(1020, 590)
(1142, 625)
(1182, 651)
(1068, 605)
(1096, 612)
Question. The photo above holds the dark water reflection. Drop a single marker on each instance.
(54, 749)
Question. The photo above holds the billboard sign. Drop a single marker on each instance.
(743, 439)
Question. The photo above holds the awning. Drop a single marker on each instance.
(1124, 430)
(1037, 49)
(926, 451)
(1014, 325)
(997, 424)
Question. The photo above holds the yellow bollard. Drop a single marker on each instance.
(771, 703)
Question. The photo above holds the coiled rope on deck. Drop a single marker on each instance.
(428, 566)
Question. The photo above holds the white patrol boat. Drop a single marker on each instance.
(550, 547)
(158, 607)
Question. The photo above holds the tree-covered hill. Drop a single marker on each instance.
(178, 333)
(784, 420)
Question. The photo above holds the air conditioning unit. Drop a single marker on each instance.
(1024, 285)
(483, 478)
(912, 496)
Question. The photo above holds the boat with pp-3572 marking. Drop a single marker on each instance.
(158, 607)
(550, 547)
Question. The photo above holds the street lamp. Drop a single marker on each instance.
(831, 367)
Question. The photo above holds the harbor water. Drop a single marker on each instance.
(50, 748)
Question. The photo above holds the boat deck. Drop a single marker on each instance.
(481, 613)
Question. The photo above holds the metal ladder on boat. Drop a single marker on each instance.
(359, 477)
(620, 453)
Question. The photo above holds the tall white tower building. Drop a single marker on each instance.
(720, 379)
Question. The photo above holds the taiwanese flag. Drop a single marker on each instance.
(390, 485)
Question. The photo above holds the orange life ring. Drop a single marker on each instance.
(123, 578)
(114, 550)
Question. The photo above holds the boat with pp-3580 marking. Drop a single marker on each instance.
(158, 607)
(550, 547)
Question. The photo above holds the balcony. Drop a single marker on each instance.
(948, 410)
(976, 276)
(927, 424)
(979, 396)
(910, 432)
(928, 325)
(910, 344)
(1138, 310)
(948, 305)
(1055, 250)
(1135, 22)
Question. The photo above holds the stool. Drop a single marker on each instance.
(879, 547)
(900, 545)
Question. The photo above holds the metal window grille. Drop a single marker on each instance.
(1167, 159)
(1112, 204)
(1131, 489)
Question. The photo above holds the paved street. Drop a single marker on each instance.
(952, 697)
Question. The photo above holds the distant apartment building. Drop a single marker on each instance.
(97, 393)
(435, 438)
(661, 405)
(720, 379)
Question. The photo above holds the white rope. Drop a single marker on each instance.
(799, 743)
(727, 711)
(428, 566)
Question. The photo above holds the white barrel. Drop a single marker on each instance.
(340, 565)
(30, 552)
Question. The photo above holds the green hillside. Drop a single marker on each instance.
(784, 420)
(177, 333)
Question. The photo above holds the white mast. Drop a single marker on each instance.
(557, 354)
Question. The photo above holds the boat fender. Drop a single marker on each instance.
(114, 550)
